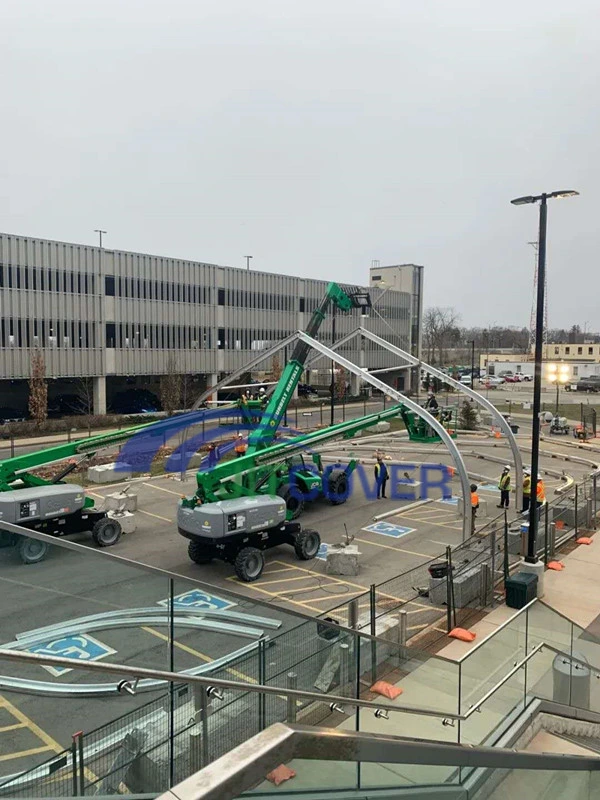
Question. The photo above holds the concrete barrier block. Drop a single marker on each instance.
(121, 501)
(126, 520)
(342, 560)
(106, 473)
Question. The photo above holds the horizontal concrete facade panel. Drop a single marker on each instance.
(15, 362)
(220, 326)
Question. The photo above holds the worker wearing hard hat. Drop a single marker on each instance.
(504, 486)
(240, 446)
(526, 490)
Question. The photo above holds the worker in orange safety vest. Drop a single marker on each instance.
(241, 446)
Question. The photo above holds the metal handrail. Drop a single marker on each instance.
(336, 702)
(245, 767)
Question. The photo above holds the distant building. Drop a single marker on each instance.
(403, 278)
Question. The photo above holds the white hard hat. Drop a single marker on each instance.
(526, 472)
(507, 466)
(240, 435)
(539, 477)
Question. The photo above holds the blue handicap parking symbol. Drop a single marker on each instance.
(322, 554)
(489, 487)
(79, 647)
(450, 501)
(197, 599)
(387, 529)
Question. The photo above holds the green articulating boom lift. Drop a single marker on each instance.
(271, 412)
(248, 504)
(49, 505)
(419, 430)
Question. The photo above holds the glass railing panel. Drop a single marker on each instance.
(79, 605)
(545, 626)
(489, 720)
(549, 784)
(584, 681)
(489, 662)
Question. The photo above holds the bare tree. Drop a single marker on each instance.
(38, 389)
(276, 368)
(85, 400)
(340, 384)
(439, 332)
(170, 387)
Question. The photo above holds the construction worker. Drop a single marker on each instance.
(432, 404)
(540, 492)
(213, 455)
(474, 505)
(526, 490)
(504, 486)
(381, 477)
(240, 446)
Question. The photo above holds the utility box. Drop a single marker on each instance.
(521, 589)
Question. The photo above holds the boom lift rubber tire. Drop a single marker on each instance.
(106, 532)
(32, 551)
(249, 564)
(338, 488)
(293, 501)
(198, 553)
(307, 544)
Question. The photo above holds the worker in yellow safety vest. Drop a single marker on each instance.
(526, 490)
(504, 486)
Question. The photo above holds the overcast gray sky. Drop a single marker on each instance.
(315, 136)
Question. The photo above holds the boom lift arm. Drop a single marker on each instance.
(19, 467)
(264, 434)
(218, 483)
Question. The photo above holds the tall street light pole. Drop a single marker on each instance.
(247, 261)
(472, 361)
(332, 367)
(99, 232)
(531, 555)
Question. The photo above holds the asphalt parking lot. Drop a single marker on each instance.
(70, 585)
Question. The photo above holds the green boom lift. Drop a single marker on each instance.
(50, 505)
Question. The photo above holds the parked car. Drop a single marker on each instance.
(494, 380)
(67, 405)
(505, 373)
(590, 384)
(8, 414)
(304, 390)
(465, 380)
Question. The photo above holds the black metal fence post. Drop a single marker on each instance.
(449, 589)
(74, 766)
(506, 561)
(373, 629)
(12, 446)
(576, 510)
(262, 672)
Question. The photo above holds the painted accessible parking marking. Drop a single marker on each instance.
(387, 529)
(197, 599)
(322, 554)
(80, 647)
(488, 487)
(449, 501)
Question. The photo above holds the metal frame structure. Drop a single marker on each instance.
(415, 408)
(476, 396)
(249, 365)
